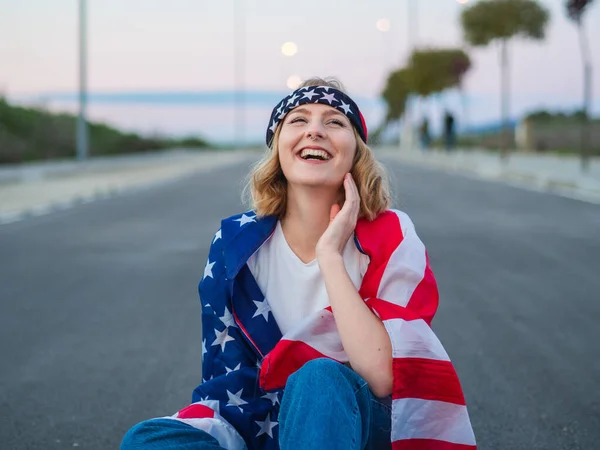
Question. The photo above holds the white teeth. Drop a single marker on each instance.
(319, 154)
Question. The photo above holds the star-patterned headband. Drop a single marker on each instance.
(317, 94)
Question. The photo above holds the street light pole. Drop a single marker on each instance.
(82, 132)
(407, 131)
(239, 70)
(413, 24)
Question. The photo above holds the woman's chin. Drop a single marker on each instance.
(316, 182)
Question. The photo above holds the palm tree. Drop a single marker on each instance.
(500, 21)
(575, 11)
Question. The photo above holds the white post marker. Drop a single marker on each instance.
(82, 131)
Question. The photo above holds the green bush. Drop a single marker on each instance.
(29, 134)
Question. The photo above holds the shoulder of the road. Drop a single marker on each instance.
(550, 173)
(36, 189)
(39, 188)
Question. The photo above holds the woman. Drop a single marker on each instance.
(316, 306)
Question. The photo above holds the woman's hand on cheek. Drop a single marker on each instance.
(342, 222)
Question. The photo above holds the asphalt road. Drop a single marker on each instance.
(100, 318)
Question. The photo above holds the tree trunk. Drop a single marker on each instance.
(587, 96)
(407, 141)
(505, 93)
(465, 107)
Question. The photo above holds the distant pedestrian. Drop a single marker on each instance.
(424, 136)
(449, 131)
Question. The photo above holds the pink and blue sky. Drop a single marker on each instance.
(164, 47)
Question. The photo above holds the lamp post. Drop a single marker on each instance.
(463, 96)
(289, 49)
(239, 70)
(407, 131)
(413, 24)
(82, 131)
(383, 25)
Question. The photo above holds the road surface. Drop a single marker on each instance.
(100, 318)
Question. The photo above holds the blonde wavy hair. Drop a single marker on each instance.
(267, 186)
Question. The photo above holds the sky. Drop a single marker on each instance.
(160, 46)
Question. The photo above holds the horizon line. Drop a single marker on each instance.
(183, 96)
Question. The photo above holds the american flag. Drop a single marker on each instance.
(246, 360)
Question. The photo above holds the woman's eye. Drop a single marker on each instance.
(338, 122)
(298, 119)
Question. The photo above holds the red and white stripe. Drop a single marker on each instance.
(204, 416)
(428, 405)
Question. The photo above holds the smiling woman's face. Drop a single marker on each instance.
(316, 146)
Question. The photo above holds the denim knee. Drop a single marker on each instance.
(137, 436)
(321, 374)
(323, 401)
(167, 434)
(316, 369)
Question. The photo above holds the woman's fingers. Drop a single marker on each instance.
(352, 195)
(342, 219)
(351, 208)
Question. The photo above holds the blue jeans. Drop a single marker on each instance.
(325, 405)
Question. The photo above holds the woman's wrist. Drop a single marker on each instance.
(328, 257)
(332, 267)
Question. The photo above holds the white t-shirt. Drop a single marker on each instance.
(292, 288)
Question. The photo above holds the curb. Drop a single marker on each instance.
(38, 170)
(580, 187)
(182, 166)
(46, 208)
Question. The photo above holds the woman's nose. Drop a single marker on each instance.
(315, 130)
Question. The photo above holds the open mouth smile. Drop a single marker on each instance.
(314, 154)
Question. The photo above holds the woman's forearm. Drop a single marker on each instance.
(362, 333)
